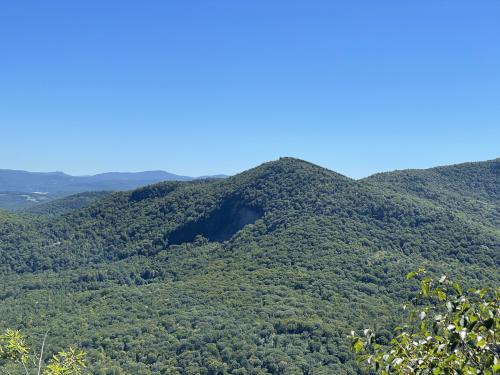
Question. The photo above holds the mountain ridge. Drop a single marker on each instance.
(271, 188)
(471, 188)
(265, 272)
(22, 189)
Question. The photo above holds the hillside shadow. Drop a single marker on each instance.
(220, 225)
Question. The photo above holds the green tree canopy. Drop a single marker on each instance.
(450, 331)
(14, 350)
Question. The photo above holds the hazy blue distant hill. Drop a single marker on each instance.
(136, 176)
(22, 189)
(53, 182)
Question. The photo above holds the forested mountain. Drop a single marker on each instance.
(265, 272)
(67, 204)
(472, 189)
(22, 189)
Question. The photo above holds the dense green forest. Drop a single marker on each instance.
(67, 204)
(472, 189)
(22, 190)
(265, 272)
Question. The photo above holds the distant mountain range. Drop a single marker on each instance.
(23, 189)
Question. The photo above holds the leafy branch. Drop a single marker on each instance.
(14, 350)
(449, 332)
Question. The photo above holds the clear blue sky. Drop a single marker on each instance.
(204, 87)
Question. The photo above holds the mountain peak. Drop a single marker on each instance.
(288, 165)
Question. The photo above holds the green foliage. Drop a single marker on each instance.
(290, 193)
(449, 332)
(22, 190)
(66, 204)
(274, 294)
(471, 190)
(13, 347)
(14, 350)
(70, 362)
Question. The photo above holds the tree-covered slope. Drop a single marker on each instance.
(23, 189)
(264, 272)
(469, 188)
(275, 196)
(67, 204)
(6, 217)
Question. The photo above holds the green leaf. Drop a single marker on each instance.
(458, 288)
(481, 343)
(440, 294)
(482, 292)
(358, 345)
(411, 275)
(425, 286)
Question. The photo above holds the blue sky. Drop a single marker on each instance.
(204, 87)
